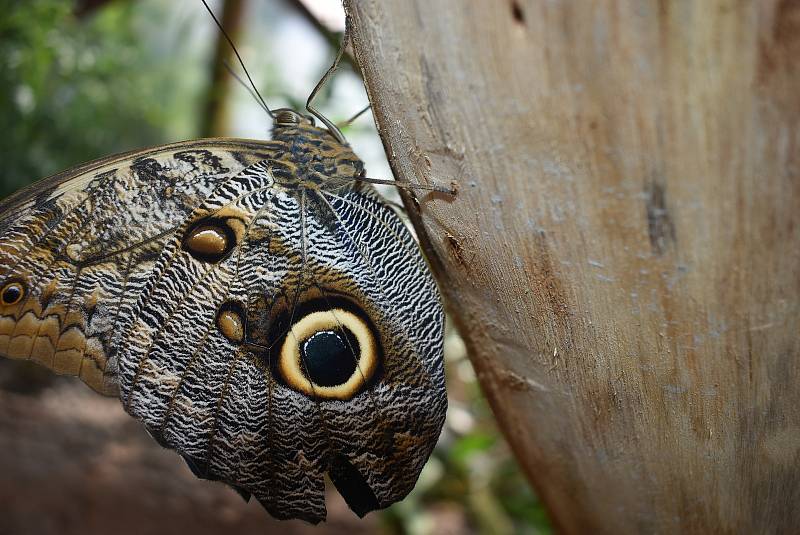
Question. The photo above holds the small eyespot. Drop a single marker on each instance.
(209, 240)
(230, 322)
(12, 293)
(329, 354)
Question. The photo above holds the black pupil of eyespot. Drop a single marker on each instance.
(330, 357)
(12, 293)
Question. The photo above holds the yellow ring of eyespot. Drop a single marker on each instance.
(19, 297)
(292, 368)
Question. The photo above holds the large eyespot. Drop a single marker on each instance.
(329, 354)
(12, 293)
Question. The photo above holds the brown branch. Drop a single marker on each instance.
(215, 116)
(86, 7)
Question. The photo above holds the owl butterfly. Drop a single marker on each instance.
(255, 304)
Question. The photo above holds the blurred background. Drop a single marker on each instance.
(84, 79)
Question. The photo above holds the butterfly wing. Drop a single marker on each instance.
(267, 334)
(76, 249)
(213, 363)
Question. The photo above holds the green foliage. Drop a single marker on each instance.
(76, 89)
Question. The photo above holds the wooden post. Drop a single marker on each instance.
(623, 256)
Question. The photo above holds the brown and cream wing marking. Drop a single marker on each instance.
(77, 248)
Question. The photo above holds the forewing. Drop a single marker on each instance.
(77, 249)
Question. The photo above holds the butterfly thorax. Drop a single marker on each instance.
(312, 156)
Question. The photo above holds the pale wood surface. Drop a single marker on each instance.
(623, 256)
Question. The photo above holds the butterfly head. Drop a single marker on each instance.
(287, 117)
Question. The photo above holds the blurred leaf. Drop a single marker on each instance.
(76, 89)
(469, 445)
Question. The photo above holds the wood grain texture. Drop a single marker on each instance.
(623, 256)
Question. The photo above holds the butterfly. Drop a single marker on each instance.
(255, 304)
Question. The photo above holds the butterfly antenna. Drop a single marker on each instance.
(247, 87)
(238, 57)
(357, 115)
(331, 127)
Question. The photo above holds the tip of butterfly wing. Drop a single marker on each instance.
(244, 493)
(198, 468)
(352, 486)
